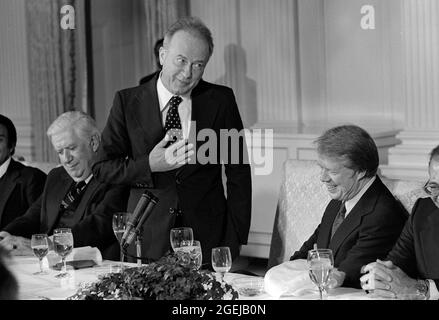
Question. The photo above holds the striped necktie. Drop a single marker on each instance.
(73, 194)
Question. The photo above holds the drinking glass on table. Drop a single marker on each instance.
(190, 251)
(320, 264)
(221, 260)
(120, 222)
(63, 246)
(40, 247)
(181, 237)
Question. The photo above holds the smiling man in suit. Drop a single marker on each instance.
(72, 197)
(363, 220)
(20, 185)
(137, 150)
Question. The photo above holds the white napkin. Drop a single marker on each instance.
(289, 278)
(81, 253)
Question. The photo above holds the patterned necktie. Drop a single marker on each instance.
(173, 122)
(73, 194)
(339, 218)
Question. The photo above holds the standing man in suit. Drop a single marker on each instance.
(412, 266)
(363, 219)
(136, 150)
(20, 185)
(72, 197)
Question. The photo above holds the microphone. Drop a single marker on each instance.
(147, 200)
(140, 207)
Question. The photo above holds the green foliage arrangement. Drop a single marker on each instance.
(169, 278)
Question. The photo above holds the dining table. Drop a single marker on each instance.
(48, 287)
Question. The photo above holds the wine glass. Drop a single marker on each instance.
(221, 260)
(181, 237)
(320, 263)
(63, 245)
(40, 247)
(120, 222)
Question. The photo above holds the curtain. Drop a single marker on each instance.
(159, 15)
(56, 68)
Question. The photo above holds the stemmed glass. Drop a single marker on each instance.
(181, 237)
(63, 245)
(120, 221)
(221, 260)
(40, 247)
(320, 263)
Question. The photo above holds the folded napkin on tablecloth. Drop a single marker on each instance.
(78, 254)
(289, 278)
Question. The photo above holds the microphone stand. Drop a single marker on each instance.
(139, 238)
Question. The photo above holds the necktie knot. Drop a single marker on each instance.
(174, 101)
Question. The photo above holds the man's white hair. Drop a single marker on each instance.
(82, 123)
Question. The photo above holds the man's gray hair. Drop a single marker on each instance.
(82, 123)
(192, 25)
(351, 143)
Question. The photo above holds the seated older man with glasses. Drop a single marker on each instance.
(412, 266)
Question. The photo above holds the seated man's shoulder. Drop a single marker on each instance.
(29, 172)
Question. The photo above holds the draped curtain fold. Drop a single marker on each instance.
(56, 68)
(160, 14)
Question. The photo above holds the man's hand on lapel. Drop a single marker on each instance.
(170, 158)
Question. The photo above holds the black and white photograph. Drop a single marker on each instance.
(247, 153)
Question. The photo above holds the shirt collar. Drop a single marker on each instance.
(86, 180)
(165, 95)
(350, 204)
(4, 167)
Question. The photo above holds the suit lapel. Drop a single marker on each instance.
(429, 238)
(85, 199)
(10, 180)
(54, 197)
(145, 114)
(364, 206)
(324, 236)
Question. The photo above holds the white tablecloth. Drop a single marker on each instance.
(37, 287)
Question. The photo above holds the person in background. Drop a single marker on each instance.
(72, 197)
(157, 46)
(363, 219)
(20, 185)
(412, 266)
(145, 146)
(8, 283)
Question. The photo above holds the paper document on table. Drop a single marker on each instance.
(290, 278)
(78, 254)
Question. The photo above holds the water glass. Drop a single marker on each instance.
(320, 264)
(221, 260)
(63, 245)
(40, 247)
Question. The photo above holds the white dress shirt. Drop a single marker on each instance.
(4, 167)
(184, 108)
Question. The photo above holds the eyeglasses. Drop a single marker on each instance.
(432, 189)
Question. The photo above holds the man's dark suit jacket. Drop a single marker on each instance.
(135, 126)
(93, 226)
(20, 187)
(417, 250)
(369, 232)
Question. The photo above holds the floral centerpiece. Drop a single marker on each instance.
(170, 278)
